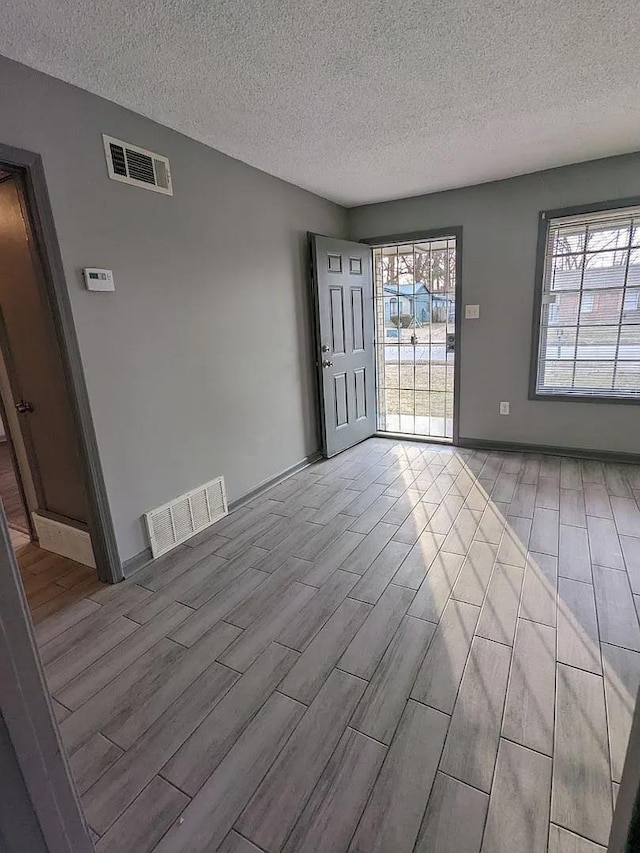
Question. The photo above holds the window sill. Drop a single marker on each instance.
(584, 398)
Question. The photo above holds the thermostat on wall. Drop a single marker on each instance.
(96, 279)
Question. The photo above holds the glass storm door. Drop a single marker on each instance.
(415, 307)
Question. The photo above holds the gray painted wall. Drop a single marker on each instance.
(500, 230)
(200, 363)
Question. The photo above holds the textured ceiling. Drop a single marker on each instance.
(357, 100)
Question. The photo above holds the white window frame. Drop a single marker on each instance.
(588, 303)
(631, 295)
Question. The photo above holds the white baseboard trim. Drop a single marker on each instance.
(64, 539)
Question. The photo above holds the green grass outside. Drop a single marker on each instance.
(396, 389)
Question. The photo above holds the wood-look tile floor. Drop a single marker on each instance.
(51, 583)
(408, 647)
(10, 491)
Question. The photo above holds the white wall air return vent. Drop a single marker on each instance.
(137, 166)
(181, 518)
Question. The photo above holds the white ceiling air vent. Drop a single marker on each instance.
(137, 166)
(181, 518)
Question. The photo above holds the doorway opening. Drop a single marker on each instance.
(45, 483)
(41, 479)
(13, 481)
(11, 493)
(51, 404)
(415, 300)
(58, 547)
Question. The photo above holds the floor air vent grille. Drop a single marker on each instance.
(178, 520)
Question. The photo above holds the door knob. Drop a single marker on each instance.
(327, 363)
(23, 407)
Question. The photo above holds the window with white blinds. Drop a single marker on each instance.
(588, 342)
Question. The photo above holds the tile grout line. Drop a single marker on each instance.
(511, 659)
(391, 458)
(166, 711)
(600, 658)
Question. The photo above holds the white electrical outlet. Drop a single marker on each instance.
(471, 312)
(504, 408)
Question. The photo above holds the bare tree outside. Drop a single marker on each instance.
(433, 268)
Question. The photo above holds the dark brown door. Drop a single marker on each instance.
(30, 349)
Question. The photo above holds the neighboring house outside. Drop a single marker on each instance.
(417, 301)
(602, 297)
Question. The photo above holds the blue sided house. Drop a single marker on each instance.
(416, 300)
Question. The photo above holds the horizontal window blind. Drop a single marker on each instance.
(589, 331)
